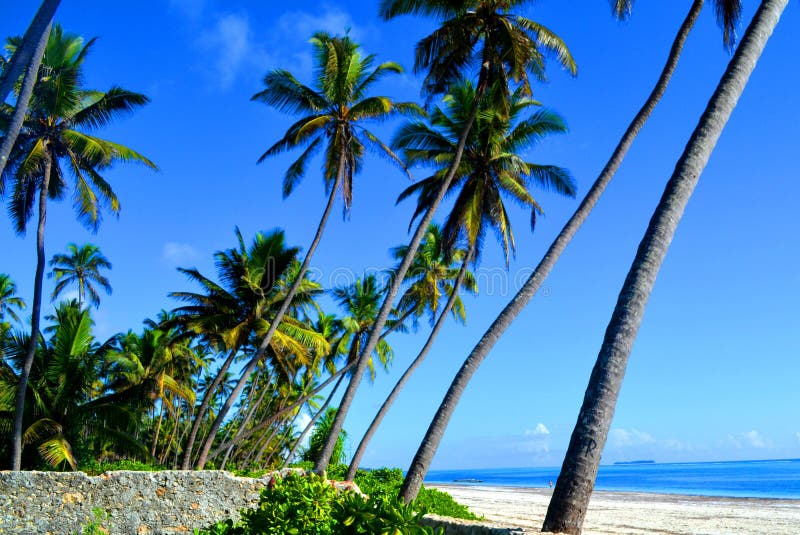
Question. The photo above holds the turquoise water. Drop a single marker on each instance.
(746, 479)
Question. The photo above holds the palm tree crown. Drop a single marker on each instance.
(491, 168)
(61, 112)
(484, 33)
(336, 106)
(9, 301)
(81, 266)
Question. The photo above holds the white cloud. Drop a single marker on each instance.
(749, 439)
(330, 19)
(539, 431)
(623, 438)
(175, 253)
(231, 47)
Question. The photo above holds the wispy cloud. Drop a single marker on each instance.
(174, 253)
(539, 431)
(329, 19)
(749, 439)
(230, 42)
(624, 438)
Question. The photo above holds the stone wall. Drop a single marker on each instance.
(145, 502)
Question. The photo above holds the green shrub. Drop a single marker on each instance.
(94, 468)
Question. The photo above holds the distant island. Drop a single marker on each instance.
(647, 461)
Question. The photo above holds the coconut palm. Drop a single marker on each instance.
(65, 404)
(726, 15)
(254, 282)
(10, 303)
(26, 58)
(508, 48)
(573, 489)
(337, 106)
(80, 266)
(436, 272)
(54, 134)
(491, 169)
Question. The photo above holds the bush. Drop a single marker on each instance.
(298, 505)
(94, 468)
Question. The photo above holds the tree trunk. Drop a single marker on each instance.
(575, 482)
(201, 412)
(376, 422)
(40, 25)
(428, 446)
(36, 312)
(361, 363)
(313, 421)
(158, 428)
(251, 365)
(28, 83)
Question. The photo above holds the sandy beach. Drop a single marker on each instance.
(633, 513)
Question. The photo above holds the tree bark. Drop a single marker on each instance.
(376, 422)
(430, 443)
(361, 362)
(284, 308)
(28, 83)
(201, 412)
(36, 312)
(575, 482)
(40, 25)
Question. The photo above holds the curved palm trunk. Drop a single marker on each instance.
(28, 82)
(575, 482)
(158, 428)
(40, 25)
(201, 412)
(361, 363)
(251, 365)
(36, 312)
(245, 420)
(430, 443)
(376, 422)
(281, 441)
(313, 421)
(250, 432)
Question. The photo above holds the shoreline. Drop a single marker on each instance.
(618, 512)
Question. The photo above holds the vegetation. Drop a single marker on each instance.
(225, 378)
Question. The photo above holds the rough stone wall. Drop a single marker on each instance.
(166, 502)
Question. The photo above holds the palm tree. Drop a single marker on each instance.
(427, 449)
(434, 273)
(54, 132)
(492, 168)
(81, 266)
(65, 404)
(254, 283)
(27, 58)
(507, 48)
(575, 482)
(9, 301)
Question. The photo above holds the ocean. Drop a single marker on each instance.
(744, 479)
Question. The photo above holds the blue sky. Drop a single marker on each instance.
(714, 372)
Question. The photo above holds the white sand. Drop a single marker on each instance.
(631, 513)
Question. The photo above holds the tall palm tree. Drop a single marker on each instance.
(426, 451)
(81, 266)
(26, 58)
(60, 113)
(254, 282)
(492, 168)
(508, 48)
(435, 273)
(570, 500)
(10, 303)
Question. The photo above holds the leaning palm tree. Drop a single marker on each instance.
(573, 489)
(10, 303)
(80, 266)
(507, 48)
(228, 313)
(726, 13)
(25, 60)
(55, 134)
